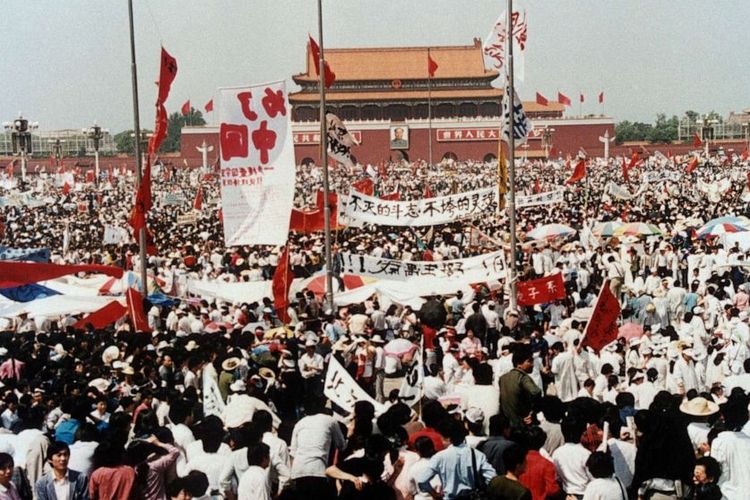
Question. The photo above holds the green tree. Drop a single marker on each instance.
(175, 122)
(664, 130)
(632, 131)
(125, 141)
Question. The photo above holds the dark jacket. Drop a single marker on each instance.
(79, 486)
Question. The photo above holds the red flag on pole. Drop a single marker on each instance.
(66, 189)
(541, 100)
(364, 186)
(432, 66)
(167, 74)
(198, 203)
(602, 327)
(697, 142)
(282, 281)
(185, 109)
(136, 312)
(142, 201)
(578, 173)
(328, 76)
(209, 106)
(633, 161)
(625, 172)
(540, 291)
(692, 165)
(601, 97)
(563, 99)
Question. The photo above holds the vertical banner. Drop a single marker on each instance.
(257, 164)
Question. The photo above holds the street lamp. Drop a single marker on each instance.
(57, 151)
(20, 130)
(96, 134)
(547, 139)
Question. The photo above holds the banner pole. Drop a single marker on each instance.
(511, 159)
(324, 162)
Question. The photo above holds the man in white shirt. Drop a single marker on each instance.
(312, 439)
(254, 484)
(570, 458)
(731, 449)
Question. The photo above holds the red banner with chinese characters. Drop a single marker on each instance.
(602, 327)
(540, 291)
(257, 164)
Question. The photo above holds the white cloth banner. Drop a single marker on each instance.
(212, 402)
(478, 269)
(495, 45)
(425, 212)
(343, 390)
(412, 385)
(535, 200)
(656, 177)
(257, 164)
(114, 235)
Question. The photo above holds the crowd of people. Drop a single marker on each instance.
(224, 400)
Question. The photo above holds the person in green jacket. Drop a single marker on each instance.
(518, 391)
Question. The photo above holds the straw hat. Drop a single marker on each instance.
(699, 407)
(267, 374)
(230, 364)
(128, 370)
(110, 354)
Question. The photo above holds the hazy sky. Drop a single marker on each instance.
(66, 63)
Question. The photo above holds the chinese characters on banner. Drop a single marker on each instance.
(257, 164)
(425, 212)
(521, 123)
(481, 268)
(540, 291)
(602, 327)
(343, 390)
(534, 200)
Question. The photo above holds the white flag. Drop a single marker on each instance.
(213, 404)
(495, 46)
(343, 390)
(411, 387)
(340, 141)
(521, 123)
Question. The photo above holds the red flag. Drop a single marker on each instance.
(540, 291)
(394, 196)
(66, 188)
(328, 76)
(697, 140)
(198, 203)
(364, 186)
(167, 73)
(692, 165)
(23, 273)
(581, 97)
(744, 155)
(432, 66)
(209, 106)
(601, 97)
(185, 109)
(427, 192)
(578, 173)
(136, 312)
(552, 151)
(308, 221)
(142, 201)
(102, 317)
(9, 169)
(602, 327)
(282, 281)
(563, 99)
(625, 172)
(541, 100)
(90, 176)
(633, 161)
(537, 187)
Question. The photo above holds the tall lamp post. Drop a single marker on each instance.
(707, 130)
(20, 130)
(57, 149)
(96, 134)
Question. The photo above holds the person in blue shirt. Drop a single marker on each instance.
(453, 465)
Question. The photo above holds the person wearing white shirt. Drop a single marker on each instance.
(312, 439)
(604, 486)
(254, 484)
(181, 417)
(570, 458)
(731, 449)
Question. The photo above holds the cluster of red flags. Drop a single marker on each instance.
(308, 221)
(114, 311)
(579, 172)
(565, 100)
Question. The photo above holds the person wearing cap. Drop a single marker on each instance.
(311, 368)
(518, 392)
(684, 372)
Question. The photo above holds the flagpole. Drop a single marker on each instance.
(138, 160)
(324, 162)
(429, 107)
(511, 158)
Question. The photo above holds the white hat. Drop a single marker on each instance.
(230, 364)
(474, 415)
(377, 339)
(110, 354)
(99, 384)
(310, 343)
(191, 345)
(238, 386)
(698, 310)
(699, 407)
(128, 370)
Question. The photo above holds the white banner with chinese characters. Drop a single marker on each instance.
(425, 212)
(535, 200)
(257, 164)
(477, 269)
(343, 390)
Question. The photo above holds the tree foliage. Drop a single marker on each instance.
(125, 141)
(662, 130)
(175, 122)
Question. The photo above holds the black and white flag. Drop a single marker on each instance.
(340, 141)
(521, 123)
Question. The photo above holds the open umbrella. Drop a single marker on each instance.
(550, 232)
(638, 229)
(721, 225)
(607, 229)
(399, 347)
(317, 284)
(215, 326)
(630, 331)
